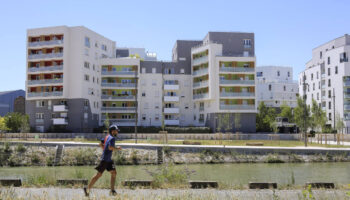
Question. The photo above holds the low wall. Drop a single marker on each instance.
(157, 136)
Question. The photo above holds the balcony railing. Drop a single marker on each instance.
(44, 94)
(171, 98)
(45, 81)
(347, 83)
(134, 73)
(346, 106)
(45, 43)
(343, 60)
(238, 82)
(236, 69)
(171, 86)
(60, 121)
(237, 94)
(200, 96)
(346, 95)
(236, 107)
(200, 60)
(174, 122)
(200, 84)
(119, 108)
(43, 56)
(60, 108)
(49, 68)
(118, 97)
(118, 85)
(171, 110)
(200, 72)
(39, 121)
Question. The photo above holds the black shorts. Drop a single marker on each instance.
(105, 165)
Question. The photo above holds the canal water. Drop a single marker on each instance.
(227, 174)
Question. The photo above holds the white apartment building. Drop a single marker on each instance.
(275, 86)
(327, 76)
(77, 79)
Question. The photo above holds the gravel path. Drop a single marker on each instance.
(183, 194)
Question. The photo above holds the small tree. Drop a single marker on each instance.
(2, 124)
(339, 123)
(286, 112)
(265, 117)
(25, 128)
(318, 118)
(224, 123)
(302, 115)
(106, 122)
(14, 121)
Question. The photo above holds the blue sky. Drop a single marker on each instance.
(285, 31)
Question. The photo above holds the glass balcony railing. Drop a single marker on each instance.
(346, 95)
(201, 84)
(200, 60)
(43, 56)
(48, 68)
(237, 94)
(118, 85)
(44, 94)
(200, 96)
(124, 97)
(236, 69)
(200, 72)
(347, 83)
(118, 108)
(236, 107)
(119, 73)
(238, 82)
(45, 81)
(346, 106)
(45, 43)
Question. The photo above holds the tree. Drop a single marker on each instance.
(319, 118)
(265, 117)
(302, 115)
(286, 111)
(339, 123)
(14, 121)
(224, 122)
(2, 124)
(106, 122)
(25, 128)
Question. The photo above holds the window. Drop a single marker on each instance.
(270, 87)
(154, 82)
(317, 75)
(156, 105)
(153, 70)
(329, 94)
(156, 117)
(313, 86)
(329, 116)
(93, 67)
(329, 105)
(343, 57)
(40, 104)
(96, 45)
(288, 74)
(86, 115)
(259, 74)
(156, 93)
(39, 115)
(93, 79)
(86, 77)
(247, 43)
(87, 42)
(143, 117)
(320, 54)
(329, 60)
(329, 82)
(278, 73)
(318, 96)
(87, 65)
(91, 91)
(86, 103)
(312, 76)
(329, 71)
(284, 87)
(143, 94)
(104, 47)
(336, 70)
(86, 52)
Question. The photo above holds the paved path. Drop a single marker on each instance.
(183, 194)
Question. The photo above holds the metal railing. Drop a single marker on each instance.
(237, 94)
(44, 94)
(43, 56)
(133, 73)
(236, 69)
(201, 84)
(45, 43)
(48, 68)
(200, 60)
(200, 96)
(236, 107)
(200, 72)
(118, 85)
(239, 82)
(118, 108)
(117, 97)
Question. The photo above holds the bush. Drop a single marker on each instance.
(20, 148)
(134, 157)
(14, 160)
(80, 156)
(50, 161)
(35, 158)
(119, 158)
(273, 159)
(153, 129)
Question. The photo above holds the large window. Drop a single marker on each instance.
(87, 42)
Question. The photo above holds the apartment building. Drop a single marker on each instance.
(63, 77)
(77, 79)
(275, 86)
(327, 79)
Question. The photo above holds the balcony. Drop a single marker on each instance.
(60, 108)
(45, 43)
(49, 68)
(39, 121)
(200, 60)
(171, 87)
(200, 72)
(118, 108)
(347, 116)
(237, 82)
(346, 106)
(200, 96)
(237, 69)
(323, 75)
(44, 94)
(45, 81)
(171, 110)
(173, 122)
(346, 95)
(133, 85)
(44, 56)
(201, 84)
(236, 107)
(346, 83)
(323, 86)
(122, 122)
(59, 121)
(237, 94)
(343, 60)
(121, 97)
(112, 73)
(171, 98)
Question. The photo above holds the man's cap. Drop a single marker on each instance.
(113, 127)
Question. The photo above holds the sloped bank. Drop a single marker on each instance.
(31, 154)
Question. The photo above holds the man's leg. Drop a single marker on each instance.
(94, 179)
(113, 176)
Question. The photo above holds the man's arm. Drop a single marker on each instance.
(112, 147)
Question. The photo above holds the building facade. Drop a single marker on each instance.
(275, 86)
(77, 79)
(8, 100)
(327, 79)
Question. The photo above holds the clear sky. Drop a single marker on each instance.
(285, 31)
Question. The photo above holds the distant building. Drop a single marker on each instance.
(275, 86)
(7, 100)
(130, 52)
(19, 105)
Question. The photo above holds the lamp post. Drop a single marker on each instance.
(305, 108)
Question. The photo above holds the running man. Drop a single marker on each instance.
(108, 146)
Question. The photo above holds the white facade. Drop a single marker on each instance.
(327, 75)
(275, 86)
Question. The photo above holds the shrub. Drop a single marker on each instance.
(273, 159)
(119, 158)
(134, 157)
(14, 160)
(21, 148)
(35, 159)
(50, 160)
